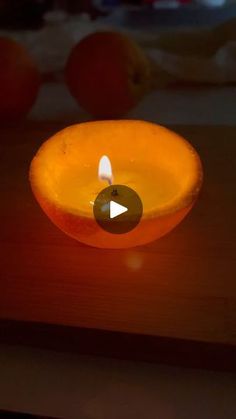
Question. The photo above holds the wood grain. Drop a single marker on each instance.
(182, 286)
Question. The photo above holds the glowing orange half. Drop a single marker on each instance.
(162, 167)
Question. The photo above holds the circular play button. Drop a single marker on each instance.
(118, 209)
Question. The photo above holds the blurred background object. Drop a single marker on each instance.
(19, 80)
(22, 14)
(186, 43)
(25, 14)
(108, 74)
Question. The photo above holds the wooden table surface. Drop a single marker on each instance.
(181, 288)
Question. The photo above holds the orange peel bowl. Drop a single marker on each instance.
(161, 166)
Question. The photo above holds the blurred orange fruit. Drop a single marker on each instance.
(108, 74)
(19, 80)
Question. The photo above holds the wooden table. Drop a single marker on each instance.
(171, 301)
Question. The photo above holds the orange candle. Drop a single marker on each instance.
(159, 165)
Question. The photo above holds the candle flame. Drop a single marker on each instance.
(105, 170)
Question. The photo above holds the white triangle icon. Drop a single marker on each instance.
(116, 209)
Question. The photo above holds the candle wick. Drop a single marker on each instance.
(114, 192)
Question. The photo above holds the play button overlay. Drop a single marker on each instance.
(118, 209)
